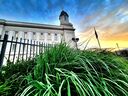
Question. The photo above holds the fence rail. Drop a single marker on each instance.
(20, 49)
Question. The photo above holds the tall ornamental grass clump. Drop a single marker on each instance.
(63, 71)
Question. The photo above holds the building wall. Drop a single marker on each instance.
(44, 35)
(47, 34)
(50, 34)
(68, 35)
(39, 32)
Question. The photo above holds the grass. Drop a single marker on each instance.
(63, 71)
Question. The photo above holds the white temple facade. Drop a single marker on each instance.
(34, 32)
(50, 34)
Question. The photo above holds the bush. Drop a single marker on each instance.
(12, 76)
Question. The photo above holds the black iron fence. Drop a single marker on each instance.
(20, 49)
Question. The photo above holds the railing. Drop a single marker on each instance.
(20, 49)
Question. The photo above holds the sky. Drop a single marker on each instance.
(109, 17)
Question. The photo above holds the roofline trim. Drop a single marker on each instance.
(34, 25)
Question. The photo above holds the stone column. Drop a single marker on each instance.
(1, 30)
(52, 37)
(59, 37)
(45, 37)
(20, 35)
(11, 34)
(30, 35)
(38, 36)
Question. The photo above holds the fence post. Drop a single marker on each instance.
(3, 49)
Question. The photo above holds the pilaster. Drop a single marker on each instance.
(45, 37)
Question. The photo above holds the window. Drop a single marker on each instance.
(42, 36)
(49, 36)
(56, 38)
(41, 33)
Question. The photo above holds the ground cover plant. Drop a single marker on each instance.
(64, 71)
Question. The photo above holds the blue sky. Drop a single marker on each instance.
(108, 16)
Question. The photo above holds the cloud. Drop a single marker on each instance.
(110, 17)
(111, 21)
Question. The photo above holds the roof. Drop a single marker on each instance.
(33, 25)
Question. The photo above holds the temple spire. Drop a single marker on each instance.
(64, 18)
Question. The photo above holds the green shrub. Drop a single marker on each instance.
(21, 67)
(13, 76)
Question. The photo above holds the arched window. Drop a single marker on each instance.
(49, 36)
(42, 36)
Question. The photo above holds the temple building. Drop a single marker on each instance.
(50, 34)
(34, 32)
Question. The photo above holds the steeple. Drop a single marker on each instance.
(64, 18)
(63, 13)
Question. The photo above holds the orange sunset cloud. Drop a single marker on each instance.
(111, 28)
